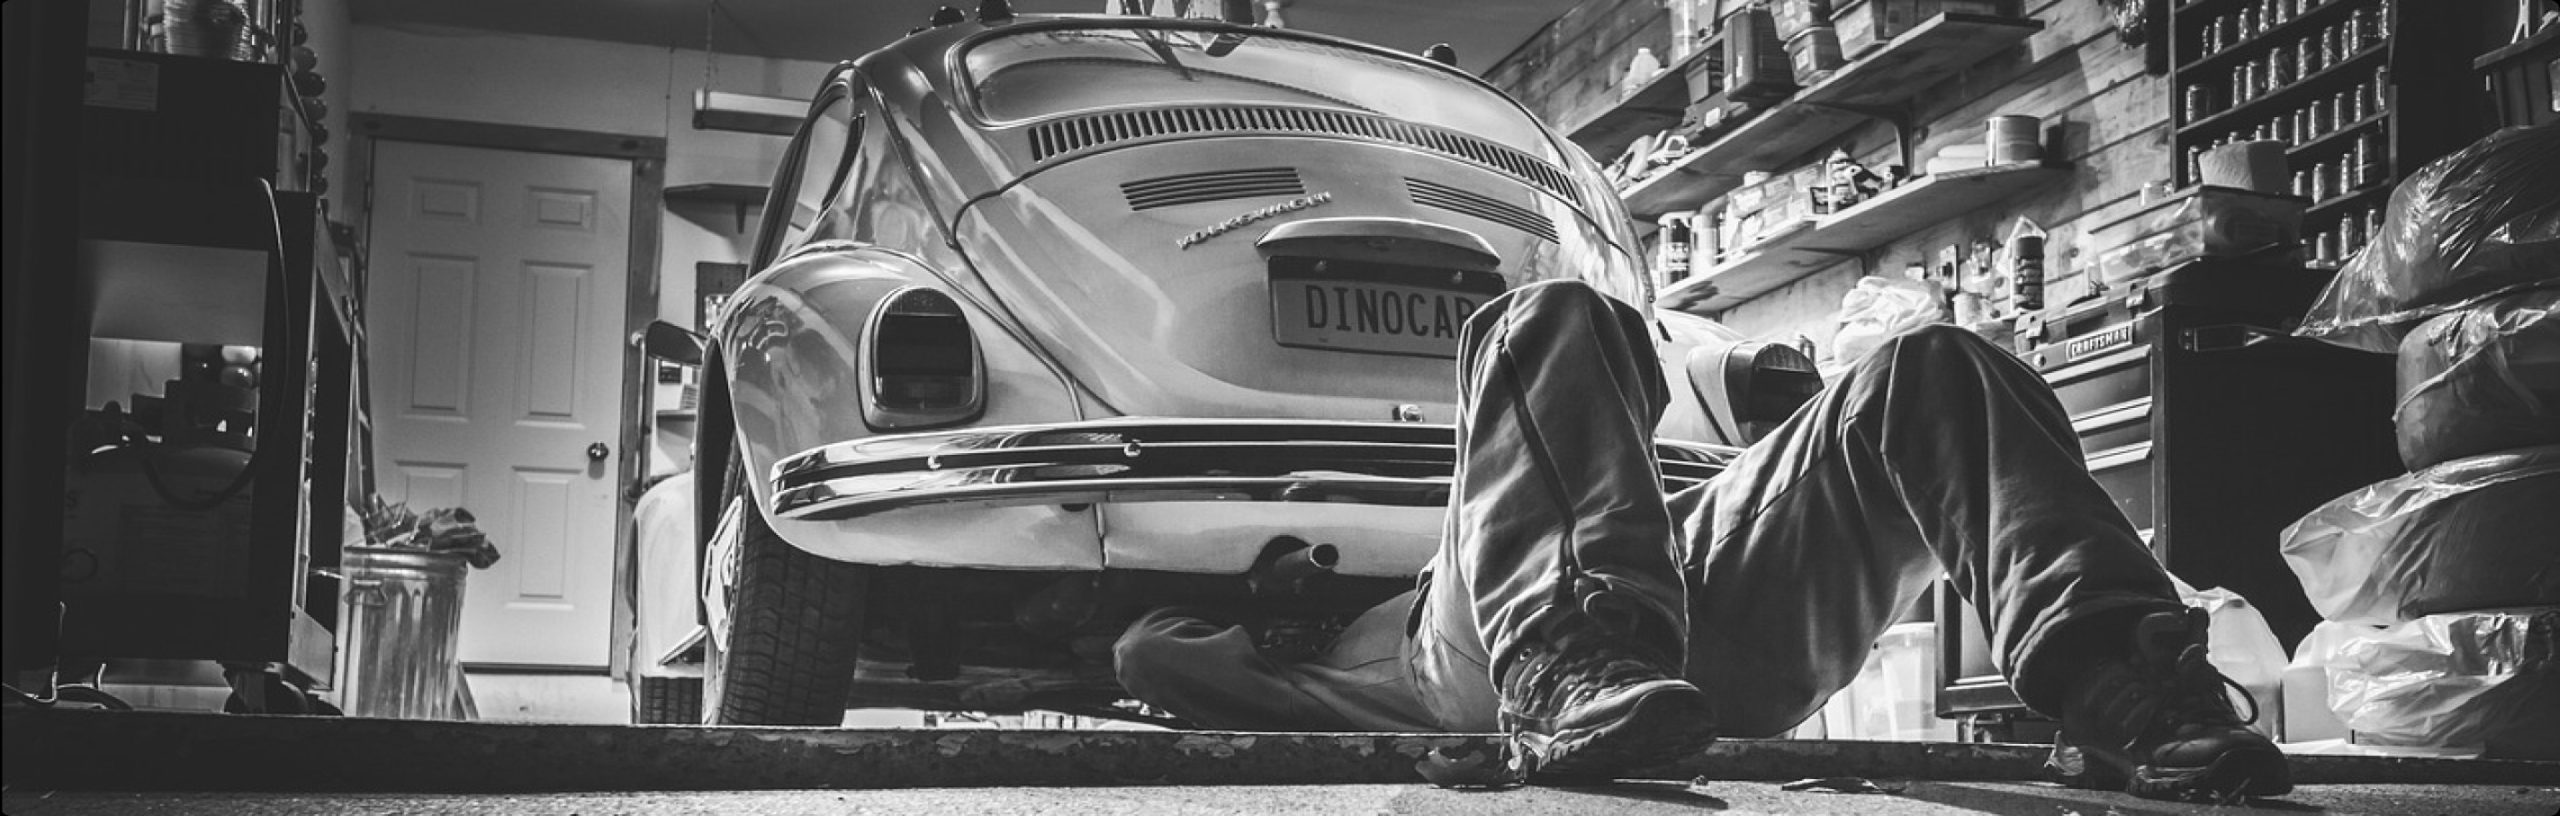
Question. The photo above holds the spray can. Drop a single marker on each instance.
(1672, 266)
(2026, 253)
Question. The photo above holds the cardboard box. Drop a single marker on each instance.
(1865, 24)
(1795, 16)
(2202, 222)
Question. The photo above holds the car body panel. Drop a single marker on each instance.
(1125, 269)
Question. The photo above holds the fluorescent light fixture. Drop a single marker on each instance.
(747, 113)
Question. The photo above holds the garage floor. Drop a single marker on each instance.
(64, 761)
(1625, 799)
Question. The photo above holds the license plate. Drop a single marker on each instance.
(1373, 316)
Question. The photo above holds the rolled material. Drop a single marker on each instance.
(2481, 379)
(2464, 535)
(2014, 138)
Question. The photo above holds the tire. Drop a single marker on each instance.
(661, 700)
(795, 627)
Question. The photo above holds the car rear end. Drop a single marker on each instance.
(1252, 251)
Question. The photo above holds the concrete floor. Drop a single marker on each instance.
(1623, 799)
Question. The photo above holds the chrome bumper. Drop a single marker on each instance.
(1143, 460)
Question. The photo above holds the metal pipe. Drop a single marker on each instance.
(1287, 560)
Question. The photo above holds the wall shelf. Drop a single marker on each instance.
(738, 196)
(2292, 94)
(1656, 107)
(1813, 245)
(1878, 84)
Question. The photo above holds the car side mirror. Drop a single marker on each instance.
(672, 343)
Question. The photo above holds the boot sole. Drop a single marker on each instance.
(1664, 722)
(2239, 773)
(2235, 774)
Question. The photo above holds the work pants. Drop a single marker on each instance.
(1936, 454)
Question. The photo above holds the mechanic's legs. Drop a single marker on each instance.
(1938, 452)
(1558, 555)
(1212, 674)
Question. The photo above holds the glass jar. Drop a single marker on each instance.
(2307, 55)
(2197, 103)
(2280, 68)
(2319, 182)
(2378, 92)
(2368, 24)
(2324, 116)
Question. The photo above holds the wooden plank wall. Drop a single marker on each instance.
(2101, 112)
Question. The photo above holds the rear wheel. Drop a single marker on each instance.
(794, 627)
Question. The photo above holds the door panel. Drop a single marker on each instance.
(497, 302)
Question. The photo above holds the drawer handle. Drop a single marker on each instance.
(2113, 458)
(2122, 413)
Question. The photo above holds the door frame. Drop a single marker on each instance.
(648, 157)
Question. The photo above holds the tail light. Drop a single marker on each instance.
(923, 361)
(1750, 388)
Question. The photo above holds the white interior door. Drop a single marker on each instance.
(496, 315)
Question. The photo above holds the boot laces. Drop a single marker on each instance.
(1570, 670)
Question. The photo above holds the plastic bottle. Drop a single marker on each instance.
(1640, 71)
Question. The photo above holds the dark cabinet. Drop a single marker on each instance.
(2211, 428)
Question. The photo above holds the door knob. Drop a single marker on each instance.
(596, 452)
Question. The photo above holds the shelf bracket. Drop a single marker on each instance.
(742, 215)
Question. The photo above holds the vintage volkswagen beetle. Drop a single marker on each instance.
(1058, 319)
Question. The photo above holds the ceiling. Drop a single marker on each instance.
(831, 30)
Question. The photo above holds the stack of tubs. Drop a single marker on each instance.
(2440, 589)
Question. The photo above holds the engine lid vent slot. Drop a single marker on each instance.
(1062, 136)
(1216, 185)
(1466, 202)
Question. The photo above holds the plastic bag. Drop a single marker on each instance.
(2244, 648)
(2473, 533)
(2456, 680)
(2481, 379)
(1878, 309)
(2474, 224)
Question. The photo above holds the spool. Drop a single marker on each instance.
(2258, 167)
(2014, 138)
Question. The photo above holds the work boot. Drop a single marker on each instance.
(2156, 723)
(1580, 706)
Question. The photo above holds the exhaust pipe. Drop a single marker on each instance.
(1288, 561)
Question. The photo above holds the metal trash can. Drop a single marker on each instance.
(403, 617)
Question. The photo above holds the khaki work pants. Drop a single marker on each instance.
(1936, 454)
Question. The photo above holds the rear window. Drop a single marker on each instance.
(1044, 72)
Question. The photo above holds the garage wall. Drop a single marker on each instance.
(556, 82)
(2101, 112)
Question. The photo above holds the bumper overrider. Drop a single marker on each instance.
(1150, 460)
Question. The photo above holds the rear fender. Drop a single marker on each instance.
(1688, 417)
(788, 360)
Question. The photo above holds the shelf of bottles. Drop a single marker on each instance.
(2313, 74)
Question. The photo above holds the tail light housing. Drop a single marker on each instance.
(1750, 388)
(922, 363)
